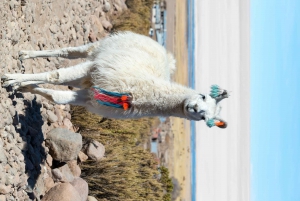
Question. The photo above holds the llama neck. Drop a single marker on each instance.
(165, 100)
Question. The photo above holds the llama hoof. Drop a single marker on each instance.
(4, 78)
(23, 55)
(12, 83)
(7, 80)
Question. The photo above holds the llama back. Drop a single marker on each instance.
(150, 57)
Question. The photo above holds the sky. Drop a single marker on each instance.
(275, 105)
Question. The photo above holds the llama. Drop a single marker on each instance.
(125, 75)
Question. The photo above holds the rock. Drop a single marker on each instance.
(92, 37)
(58, 114)
(49, 183)
(49, 160)
(57, 175)
(95, 150)
(82, 187)
(67, 123)
(51, 116)
(96, 26)
(53, 28)
(39, 187)
(63, 174)
(3, 158)
(62, 192)
(67, 174)
(91, 198)
(63, 144)
(74, 167)
(82, 156)
(5, 189)
(106, 6)
(2, 198)
(106, 25)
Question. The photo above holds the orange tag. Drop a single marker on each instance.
(220, 123)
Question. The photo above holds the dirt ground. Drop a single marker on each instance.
(180, 159)
(26, 118)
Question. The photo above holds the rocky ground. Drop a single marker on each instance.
(29, 167)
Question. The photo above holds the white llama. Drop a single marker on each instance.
(126, 75)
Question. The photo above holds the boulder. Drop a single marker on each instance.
(62, 192)
(74, 168)
(62, 174)
(95, 150)
(64, 145)
(82, 187)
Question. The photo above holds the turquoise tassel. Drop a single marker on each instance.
(215, 91)
(210, 123)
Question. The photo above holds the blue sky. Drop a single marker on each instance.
(275, 104)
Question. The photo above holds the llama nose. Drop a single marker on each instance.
(196, 108)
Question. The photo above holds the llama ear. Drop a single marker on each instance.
(218, 93)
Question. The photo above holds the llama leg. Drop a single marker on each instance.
(79, 97)
(66, 76)
(69, 52)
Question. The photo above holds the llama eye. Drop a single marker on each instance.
(203, 97)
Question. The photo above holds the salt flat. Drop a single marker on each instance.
(223, 58)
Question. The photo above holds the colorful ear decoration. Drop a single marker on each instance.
(212, 122)
(215, 91)
(112, 99)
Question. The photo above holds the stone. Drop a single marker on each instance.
(49, 183)
(74, 167)
(57, 175)
(82, 187)
(67, 123)
(106, 6)
(62, 192)
(3, 158)
(52, 118)
(5, 189)
(95, 150)
(106, 25)
(91, 198)
(63, 144)
(53, 28)
(62, 174)
(96, 25)
(82, 156)
(2, 198)
(67, 174)
(49, 160)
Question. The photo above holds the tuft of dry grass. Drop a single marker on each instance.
(137, 18)
(128, 172)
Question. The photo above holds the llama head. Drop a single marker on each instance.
(206, 107)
